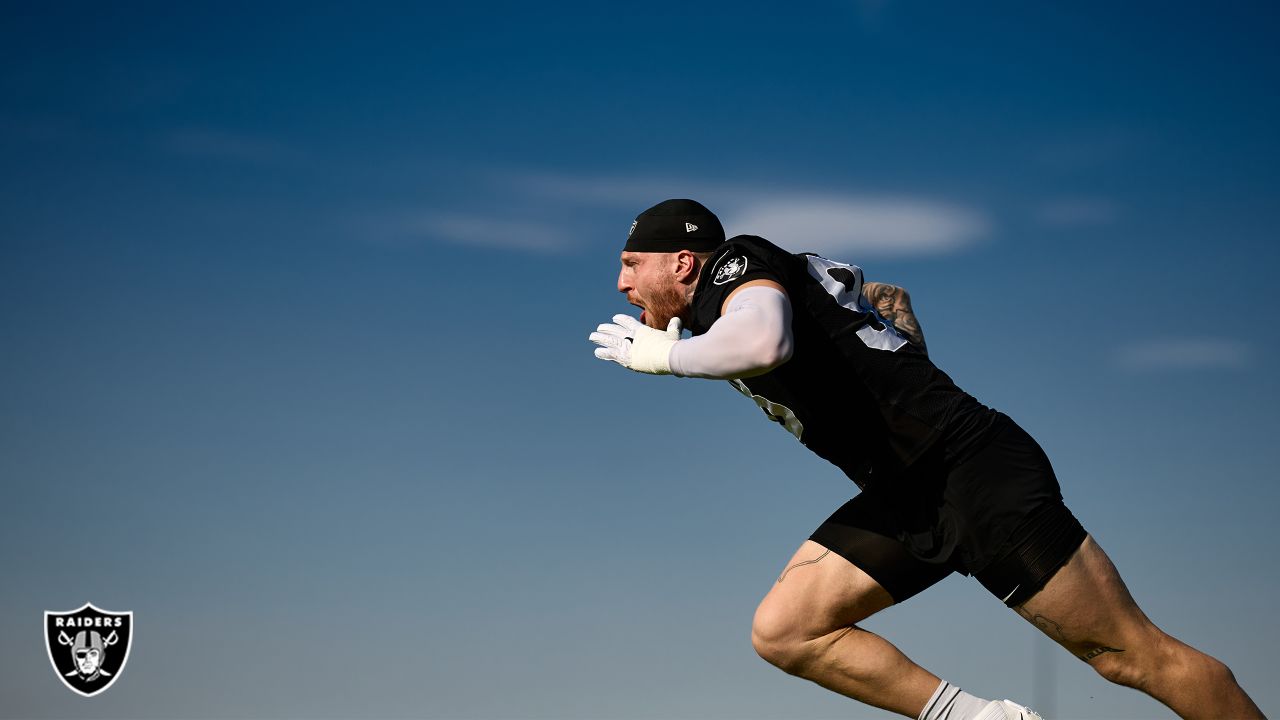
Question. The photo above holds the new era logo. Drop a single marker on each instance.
(690, 227)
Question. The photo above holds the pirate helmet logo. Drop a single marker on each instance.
(88, 647)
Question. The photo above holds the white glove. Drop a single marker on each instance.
(636, 346)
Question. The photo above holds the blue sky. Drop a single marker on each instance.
(293, 359)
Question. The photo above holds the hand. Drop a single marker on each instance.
(636, 346)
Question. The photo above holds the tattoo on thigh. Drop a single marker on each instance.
(1048, 627)
(1054, 630)
(1098, 651)
(804, 562)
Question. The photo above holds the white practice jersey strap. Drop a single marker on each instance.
(752, 337)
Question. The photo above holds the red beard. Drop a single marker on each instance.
(664, 304)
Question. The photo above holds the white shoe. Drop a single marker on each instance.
(1007, 710)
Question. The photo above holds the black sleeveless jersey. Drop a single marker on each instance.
(855, 390)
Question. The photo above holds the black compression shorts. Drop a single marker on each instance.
(997, 515)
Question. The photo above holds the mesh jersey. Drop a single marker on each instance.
(855, 391)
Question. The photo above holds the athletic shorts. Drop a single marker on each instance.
(997, 515)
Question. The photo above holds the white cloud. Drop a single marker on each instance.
(491, 232)
(838, 224)
(820, 222)
(861, 224)
(1184, 354)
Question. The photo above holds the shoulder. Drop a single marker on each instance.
(745, 255)
(738, 261)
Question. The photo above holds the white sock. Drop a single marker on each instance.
(951, 703)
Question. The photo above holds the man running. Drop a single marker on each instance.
(947, 484)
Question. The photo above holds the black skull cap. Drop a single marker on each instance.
(674, 225)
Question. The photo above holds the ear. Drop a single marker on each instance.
(686, 266)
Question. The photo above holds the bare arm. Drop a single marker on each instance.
(894, 304)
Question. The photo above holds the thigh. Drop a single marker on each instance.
(1086, 607)
(817, 592)
(851, 567)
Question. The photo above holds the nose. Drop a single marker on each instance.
(623, 285)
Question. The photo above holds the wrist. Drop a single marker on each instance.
(652, 355)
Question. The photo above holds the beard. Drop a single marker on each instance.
(665, 303)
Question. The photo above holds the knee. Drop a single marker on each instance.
(1139, 664)
(776, 638)
(1165, 661)
(1121, 668)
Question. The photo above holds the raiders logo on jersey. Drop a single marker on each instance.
(730, 270)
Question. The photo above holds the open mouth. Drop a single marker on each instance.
(643, 312)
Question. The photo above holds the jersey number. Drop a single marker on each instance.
(780, 414)
(844, 283)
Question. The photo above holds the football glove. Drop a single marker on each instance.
(636, 346)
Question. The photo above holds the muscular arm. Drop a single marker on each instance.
(751, 337)
(894, 304)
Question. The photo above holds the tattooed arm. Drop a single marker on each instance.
(894, 304)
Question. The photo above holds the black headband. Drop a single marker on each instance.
(674, 225)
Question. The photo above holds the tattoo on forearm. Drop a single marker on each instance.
(804, 562)
(894, 304)
(1098, 651)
